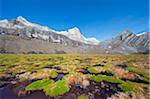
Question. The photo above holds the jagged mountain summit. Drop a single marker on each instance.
(22, 36)
(22, 23)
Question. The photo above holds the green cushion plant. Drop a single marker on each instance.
(82, 97)
(53, 73)
(100, 78)
(49, 87)
(140, 72)
(38, 85)
(58, 88)
(93, 70)
(124, 86)
(129, 86)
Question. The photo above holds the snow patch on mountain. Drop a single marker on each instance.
(24, 22)
(93, 41)
(4, 23)
(141, 33)
(73, 33)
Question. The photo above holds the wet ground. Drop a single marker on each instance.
(95, 90)
(12, 88)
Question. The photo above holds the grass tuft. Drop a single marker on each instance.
(129, 86)
(140, 72)
(100, 78)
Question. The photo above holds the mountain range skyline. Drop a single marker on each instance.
(73, 32)
(22, 36)
(102, 19)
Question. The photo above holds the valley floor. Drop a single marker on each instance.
(62, 76)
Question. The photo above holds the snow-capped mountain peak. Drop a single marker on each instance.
(24, 22)
(74, 31)
(75, 34)
(4, 23)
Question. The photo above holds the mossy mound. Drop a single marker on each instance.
(82, 97)
(49, 87)
(129, 86)
(93, 70)
(53, 73)
(38, 85)
(140, 72)
(110, 71)
(100, 78)
(124, 86)
(58, 88)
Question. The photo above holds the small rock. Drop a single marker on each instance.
(85, 83)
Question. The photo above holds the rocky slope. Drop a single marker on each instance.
(21, 36)
(124, 43)
(16, 44)
(127, 42)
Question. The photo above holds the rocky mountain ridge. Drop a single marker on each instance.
(127, 42)
(45, 33)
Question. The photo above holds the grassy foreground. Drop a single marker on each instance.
(57, 75)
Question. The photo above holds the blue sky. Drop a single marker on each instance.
(101, 19)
